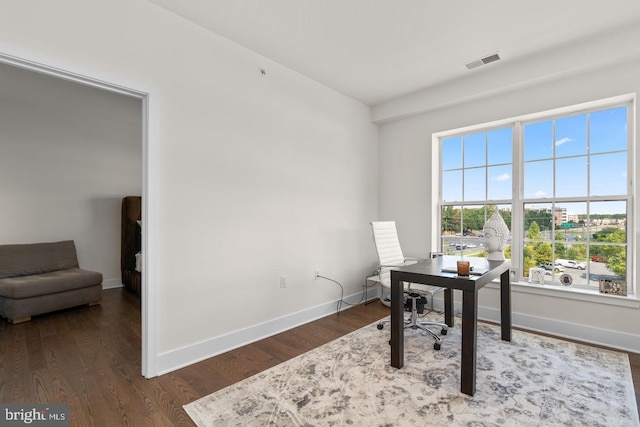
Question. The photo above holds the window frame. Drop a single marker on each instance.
(518, 201)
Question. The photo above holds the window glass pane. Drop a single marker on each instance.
(499, 182)
(608, 221)
(569, 220)
(608, 130)
(500, 146)
(475, 184)
(474, 219)
(607, 262)
(537, 255)
(572, 258)
(452, 186)
(460, 235)
(451, 221)
(452, 153)
(571, 136)
(538, 141)
(475, 148)
(608, 174)
(538, 179)
(505, 213)
(538, 221)
(569, 242)
(571, 177)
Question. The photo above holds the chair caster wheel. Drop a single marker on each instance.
(380, 326)
(436, 346)
(443, 331)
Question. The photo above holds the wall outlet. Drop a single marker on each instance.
(283, 281)
(316, 274)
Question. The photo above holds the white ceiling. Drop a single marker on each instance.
(376, 50)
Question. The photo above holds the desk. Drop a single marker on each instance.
(429, 272)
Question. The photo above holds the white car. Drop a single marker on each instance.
(576, 264)
(556, 268)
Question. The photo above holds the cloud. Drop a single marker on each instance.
(503, 177)
(564, 141)
(540, 193)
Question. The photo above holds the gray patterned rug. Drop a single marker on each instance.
(530, 381)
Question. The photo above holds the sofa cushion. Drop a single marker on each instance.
(48, 283)
(37, 258)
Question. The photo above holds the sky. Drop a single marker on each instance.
(582, 154)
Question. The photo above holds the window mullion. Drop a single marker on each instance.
(517, 206)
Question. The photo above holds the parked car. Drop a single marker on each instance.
(571, 263)
(596, 258)
(575, 264)
(556, 268)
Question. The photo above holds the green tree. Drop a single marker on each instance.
(561, 248)
(543, 252)
(615, 254)
(534, 231)
(450, 219)
(541, 217)
(473, 219)
(577, 252)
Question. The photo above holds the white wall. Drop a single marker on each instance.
(68, 154)
(258, 176)
(407, 166)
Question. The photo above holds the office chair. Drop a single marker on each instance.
(390, 255)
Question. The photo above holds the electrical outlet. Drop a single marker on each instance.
(283, 281)
(316, 274)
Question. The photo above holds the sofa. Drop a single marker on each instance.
(39, 278)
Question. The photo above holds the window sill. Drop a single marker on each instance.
(557, 291)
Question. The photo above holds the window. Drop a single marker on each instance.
(560, 181)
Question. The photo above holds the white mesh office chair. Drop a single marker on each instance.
(390, 255)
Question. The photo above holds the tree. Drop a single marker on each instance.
(615, 254)
(534, 231)
(450, 219)
(561, 248)
(578, 253)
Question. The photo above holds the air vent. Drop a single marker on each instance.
(482, 61)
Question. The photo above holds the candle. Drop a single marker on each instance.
(463, 268)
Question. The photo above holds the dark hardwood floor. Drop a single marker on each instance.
(89, 357)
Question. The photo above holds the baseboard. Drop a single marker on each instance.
(112, 283)
(188, 355)
(588, 334)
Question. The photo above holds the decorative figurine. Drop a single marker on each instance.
(496, 233)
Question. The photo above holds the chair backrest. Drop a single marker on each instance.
(385, 236)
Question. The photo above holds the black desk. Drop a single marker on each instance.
(429, 272)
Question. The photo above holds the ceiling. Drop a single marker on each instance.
(377, 50)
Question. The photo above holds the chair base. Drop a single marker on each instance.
(414, 323)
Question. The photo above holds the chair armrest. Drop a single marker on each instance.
(389, 265)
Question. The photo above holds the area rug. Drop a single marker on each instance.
(530, 381)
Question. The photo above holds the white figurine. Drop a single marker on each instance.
(496, 233)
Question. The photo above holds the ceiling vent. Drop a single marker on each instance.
(482, 61)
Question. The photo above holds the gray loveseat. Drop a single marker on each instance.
(40, 278)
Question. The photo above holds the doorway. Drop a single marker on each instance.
(48, 137)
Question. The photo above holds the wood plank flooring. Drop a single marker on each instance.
(89, 357)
